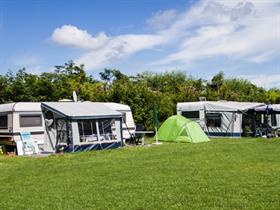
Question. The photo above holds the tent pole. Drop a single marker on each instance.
(267, 121)
(254, 119)
(205, 121)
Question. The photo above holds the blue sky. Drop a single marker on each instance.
(241, 38)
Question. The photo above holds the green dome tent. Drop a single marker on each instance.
(180, 129)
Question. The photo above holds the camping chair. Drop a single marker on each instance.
(138, 136)
(135, 137)
(29, 147)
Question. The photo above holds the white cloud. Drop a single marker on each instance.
(118, 48)
(262, 57)
(264, 80)
(103, 49)
(162, 19)
(242, 31)
(72, 36)
(239, 30)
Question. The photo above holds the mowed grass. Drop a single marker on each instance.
(221, 174)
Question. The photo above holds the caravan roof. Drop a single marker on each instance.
(117, 106)
(218, 106)
(21, 106)
(81, 110)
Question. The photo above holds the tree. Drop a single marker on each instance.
(217, 80)
(139, 91)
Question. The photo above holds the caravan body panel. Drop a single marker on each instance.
(217, 118)
(21, 117)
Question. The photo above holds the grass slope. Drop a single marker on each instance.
(221, 174)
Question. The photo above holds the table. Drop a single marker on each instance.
(143, 133)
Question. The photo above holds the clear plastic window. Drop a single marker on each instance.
(87, 131)
(214, 119)
(107, 130)
(97, 130)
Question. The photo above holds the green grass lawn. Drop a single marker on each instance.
(221, 174)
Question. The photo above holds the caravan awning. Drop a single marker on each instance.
(231, 106)
(270, 109)
(81, 110)
(219, 106)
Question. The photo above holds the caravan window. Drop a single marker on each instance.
(34, 120)
(4, 121)
(213, 119)
(191, 114)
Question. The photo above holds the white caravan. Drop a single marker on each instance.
(128, 125)
(220, 118)
(21, 127)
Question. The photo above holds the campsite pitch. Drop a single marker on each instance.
(220, 174)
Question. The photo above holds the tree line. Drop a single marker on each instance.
(139, 91)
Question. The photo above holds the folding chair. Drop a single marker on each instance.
(29, 146)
